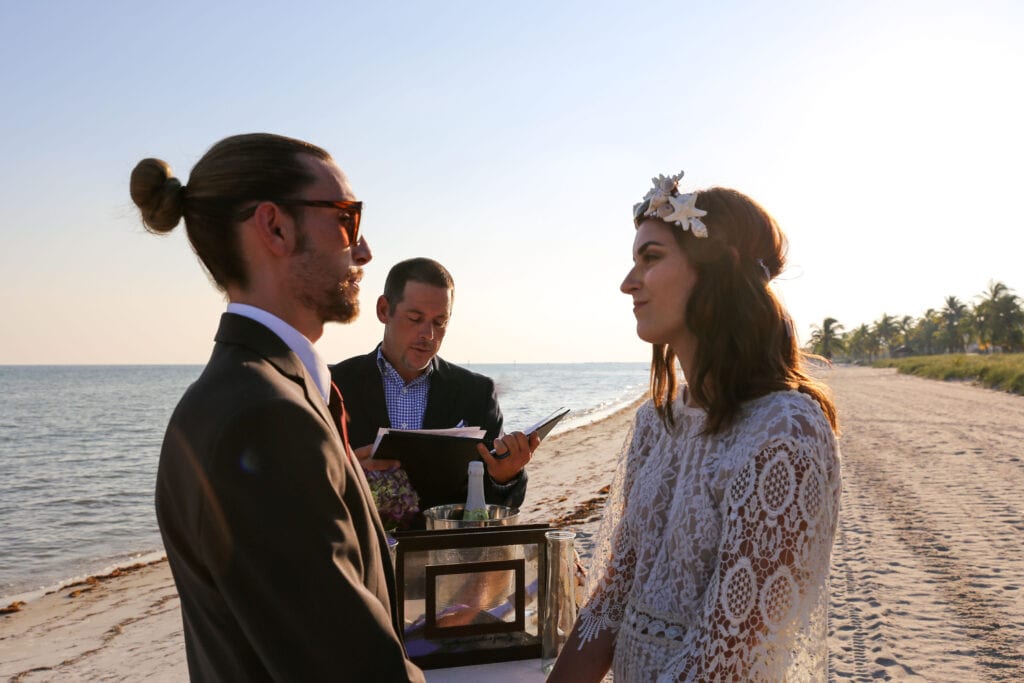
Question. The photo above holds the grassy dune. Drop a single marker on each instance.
(1003, 371)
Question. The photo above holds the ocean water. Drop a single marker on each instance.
(79, 447)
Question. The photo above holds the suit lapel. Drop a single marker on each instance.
(237, 329)
(440, 399)
(373, 391)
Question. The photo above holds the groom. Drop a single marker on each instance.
(276, 549)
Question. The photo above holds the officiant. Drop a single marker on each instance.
(403, 384)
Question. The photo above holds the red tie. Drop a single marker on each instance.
(336, 405)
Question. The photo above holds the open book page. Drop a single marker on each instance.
(466, 432)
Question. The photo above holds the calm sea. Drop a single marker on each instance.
(79, 448)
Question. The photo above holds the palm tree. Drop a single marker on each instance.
(995, 322)
(1000, 318)
(905, 325)
(826, 339)
(861, 344)
(954, 314)
(886, 330)
(926, 333)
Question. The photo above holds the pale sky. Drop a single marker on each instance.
(509, 140)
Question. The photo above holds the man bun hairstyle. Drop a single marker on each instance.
(158, 194)
(235, 171)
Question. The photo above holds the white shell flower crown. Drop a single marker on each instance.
(664, 202)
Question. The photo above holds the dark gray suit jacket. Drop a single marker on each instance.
(270, 531)
(456, 395)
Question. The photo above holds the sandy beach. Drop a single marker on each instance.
(928, 566)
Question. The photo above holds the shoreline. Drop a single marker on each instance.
(81, 584)
(101, 569)
(126, 623)
(111, 569)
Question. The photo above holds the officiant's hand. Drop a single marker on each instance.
(363, 454)
(519, 449)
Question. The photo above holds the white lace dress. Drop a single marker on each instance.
(714, 553)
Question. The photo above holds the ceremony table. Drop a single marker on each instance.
(521, 671)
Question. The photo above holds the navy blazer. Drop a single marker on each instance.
(456, 395)
(277, 551)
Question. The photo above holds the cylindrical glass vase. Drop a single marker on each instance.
(392, 550)
(559, 613)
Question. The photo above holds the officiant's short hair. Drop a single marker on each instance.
(423, 270)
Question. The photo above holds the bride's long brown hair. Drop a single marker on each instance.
(746, 346)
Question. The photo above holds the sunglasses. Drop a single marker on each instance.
(351, 213)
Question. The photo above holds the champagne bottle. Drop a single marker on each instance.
(476, 507)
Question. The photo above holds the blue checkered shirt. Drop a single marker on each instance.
(406, 402)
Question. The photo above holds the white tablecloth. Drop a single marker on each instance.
(521, 671)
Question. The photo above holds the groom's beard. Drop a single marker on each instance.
(324, 285)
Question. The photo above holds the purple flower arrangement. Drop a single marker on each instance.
(396, 499)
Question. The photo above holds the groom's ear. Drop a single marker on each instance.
(275, 229)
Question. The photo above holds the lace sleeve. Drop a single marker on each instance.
(779, 516)
(610, 574)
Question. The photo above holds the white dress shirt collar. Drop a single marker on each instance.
(295, 341)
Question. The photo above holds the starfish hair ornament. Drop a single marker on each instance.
(664, 201)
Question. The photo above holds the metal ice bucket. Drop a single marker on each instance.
(450, 517)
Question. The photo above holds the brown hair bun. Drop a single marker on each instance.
(158, 194)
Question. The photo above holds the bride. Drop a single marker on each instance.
(715, 547)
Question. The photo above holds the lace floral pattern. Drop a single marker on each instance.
(713, 558)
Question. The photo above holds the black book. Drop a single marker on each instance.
(437, 463)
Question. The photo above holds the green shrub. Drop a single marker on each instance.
(1003, 371)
